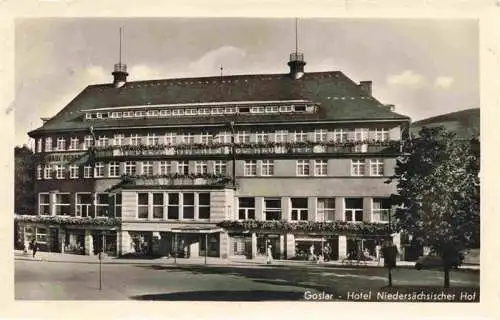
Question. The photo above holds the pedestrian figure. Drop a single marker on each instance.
(34, 247)
(269, 254)
(311, 253)
(326, 252)
(377, 253)
(25, 247)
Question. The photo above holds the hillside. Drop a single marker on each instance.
(464, 123)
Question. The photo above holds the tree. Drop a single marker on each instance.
(438, 193)
(24, 165)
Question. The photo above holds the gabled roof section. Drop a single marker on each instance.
(338, 97)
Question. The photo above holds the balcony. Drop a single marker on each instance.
(268, 148)
(176, 180)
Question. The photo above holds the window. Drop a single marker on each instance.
(128, 114)
(147, 168)
(164, 113)
(102, 141)
(204, 205)
(320, 135)
(39, 143)
(243, 137)
(188, 138)
(173, 206)
(320, 167)
(43, 204)
(204, 111)
(272, 109)
(230, 110)
(87, 142)
(206, 138)
(340, 135)
(73, 171)
(118, 205)
(353, 209)
(183, 167)
(102, 205)
(142, 205)
(381, 134)
(61, 144)
(257, 109)
(158, 205)
(134, 139)
(217, 110)
(140, 114)
(169, 138)
(99, 170)
(188, 206)
(360, 134)
(286, 108)
(152, 139)
(299, 209)
(83, 204)
(41, 235)
(267, 167)
(165, 168)
(200, 167)
(250, 168)
(118, 139)
(47, 172)
(48, 144)
(130, 168)
(223, 137)
(280, 136)
(376, 167)
(59, 171)
(381, 209)
(358, 167)
(87, 172)
(272, 209)
(302, 168)
(113, 169)
(39, 172)
(63, 204)
(326, 209)
(262, 137)
(220, 167)
(190, 112)
(73, 143)
(300, 136)
(246, 209)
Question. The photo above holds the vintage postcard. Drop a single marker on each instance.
(247, 159)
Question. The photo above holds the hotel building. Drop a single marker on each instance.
(223, 166)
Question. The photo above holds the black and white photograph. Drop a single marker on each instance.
(247, 159)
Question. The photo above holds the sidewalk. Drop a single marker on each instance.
(73, 258)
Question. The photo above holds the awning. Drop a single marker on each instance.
(195, 230)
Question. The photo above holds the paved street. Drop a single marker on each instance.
(47, 280)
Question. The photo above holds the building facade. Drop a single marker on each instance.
(217, 166)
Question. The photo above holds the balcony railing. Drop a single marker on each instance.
(176, 180)
(271, 148)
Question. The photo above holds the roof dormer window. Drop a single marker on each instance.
(128, 114)
(98, 115)
(164, 113)
(204, 111)
(190, 112)
(177, 112)
(88, 115)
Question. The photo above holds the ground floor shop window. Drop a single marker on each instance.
(83, 204)
(326, 209)
(299, 209)
(43, 204)
(102, 205)
(75, 241)
(264, 241)
(353, 209)
(240, 245)
(246, 208)
(272, 209)
(381, 209)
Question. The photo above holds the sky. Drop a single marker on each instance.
(423, 67)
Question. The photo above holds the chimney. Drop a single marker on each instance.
(119, 75)
(366, 86)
